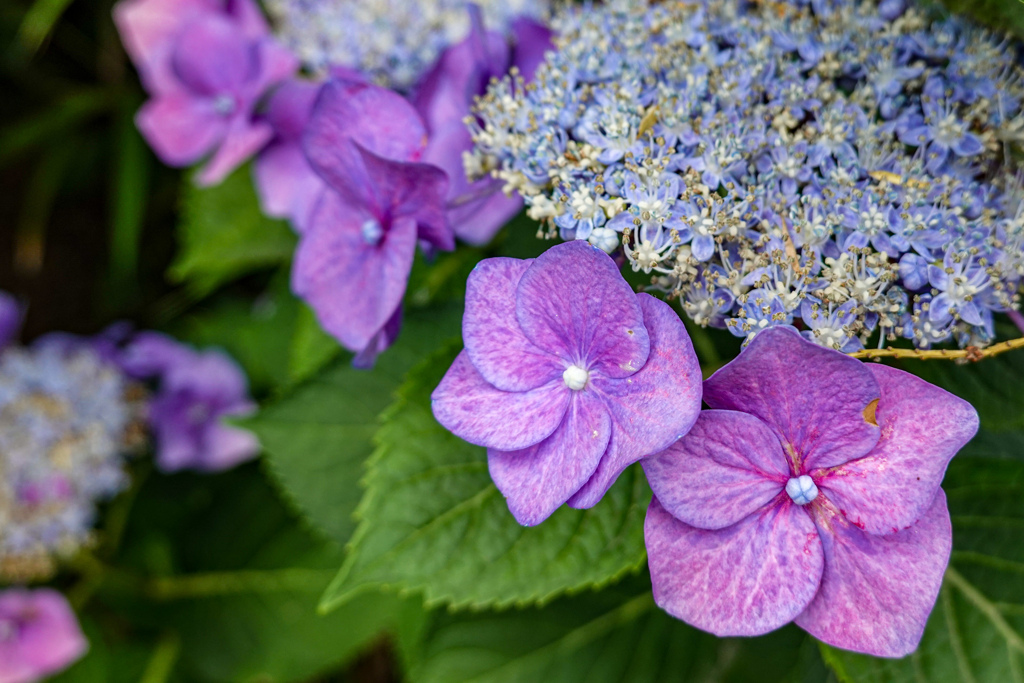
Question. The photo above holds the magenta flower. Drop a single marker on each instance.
(39, 635)
(568, 377)
(195, 391)
(353, 260)
(479, 209)
(287, 185)
(206, 63)
(809, 493)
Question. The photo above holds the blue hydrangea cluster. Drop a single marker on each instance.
(394, 41)
(849, 168)
(65, 424)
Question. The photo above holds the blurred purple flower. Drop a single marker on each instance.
(809, 493)
(477, 210)
(568, 377)
(195, 390)
(354, 258)
(206, 63)
(11, 313)
(39, 635)
(288, 186)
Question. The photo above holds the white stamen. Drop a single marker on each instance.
(224, 104)
(802, 489)
(575, 377)
(372, 232)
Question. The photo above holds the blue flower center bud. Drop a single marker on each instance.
(575, 377)
(224, 104)
(372, 232)
(802, 489)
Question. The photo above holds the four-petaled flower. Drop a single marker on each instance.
(808, 493)
(354, 258)
(39, 635)
(568, 377)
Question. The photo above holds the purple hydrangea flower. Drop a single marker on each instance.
(477, 209)
(808, 493)
(568, 377)
(195, 390)
(11, 313)
(206, 63)
(354, 259)
(39, 635)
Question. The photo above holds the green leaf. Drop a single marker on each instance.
(223, 234)
(976, 632)
(615, 636)
(311, 348)
(432, 521)
(318, 437)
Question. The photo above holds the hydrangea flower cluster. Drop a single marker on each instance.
(67, 418)
(395, 42)
(846, 167)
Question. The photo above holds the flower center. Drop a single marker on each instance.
(224, 105)
(372, 232)
(802, 489)
(575, 377)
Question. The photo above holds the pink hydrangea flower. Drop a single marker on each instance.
(809, 493)
(206, 63)
(354, 258)
(568, 377)
(39, 635)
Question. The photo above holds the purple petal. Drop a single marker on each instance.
(180, 128)
(494, 343)
(814, 398)
(211, 57)
(573, 302)
(472, 409)
(276, 63)
(877, 591)
(47, 638)
(10, 319)
(227, 447)
(287, 185)
(968, 145)
(652, 408)
(923, 427)
(290, 107)
(212, 375)
(243, 139)
(380, 342)
(744, 580)
(149, 354)
(728, 466)
(377, 119)
(353, 287)
(537, 480)
(532, 41)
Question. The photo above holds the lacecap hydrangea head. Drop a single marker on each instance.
(67, 419)
(394, 42)
(849, 166)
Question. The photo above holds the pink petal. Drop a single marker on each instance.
(48, 639)
(495, 344)
(537, 480)
(244, 138)
(652, 408)
(574, 302)
(353, 287)
(744, 580)
(923, 427)
(728, 466)
(877, 591)
(211, 57)
(180, 128)
(248, 17)
(276, 63)
(227, 446)
(814, 398)
(472, 409)
(287, 185)
(290, 107)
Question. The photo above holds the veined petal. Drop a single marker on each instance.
(814, 398)
(923, 427)
(536, 481)
(728, 466)
(877, 591)
(472, 409)
(744, 580)
(287, 186)
(652, 408)
(574, 302)
(497, 347)
(353, 287)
